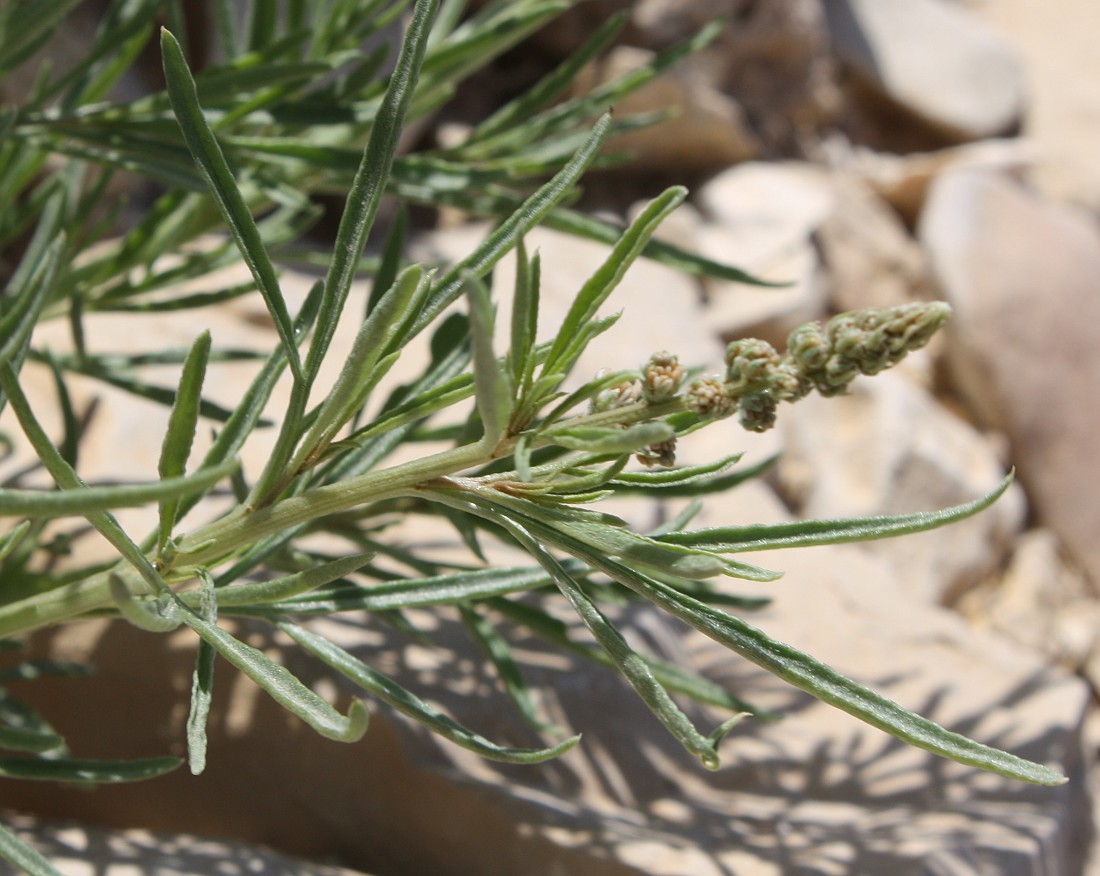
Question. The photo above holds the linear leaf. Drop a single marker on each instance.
(202, 681)
(281, 685)
(493, 389)
(811, 675)
(406, 702)
(23, 856)
(805, 533)
(370, 178)
(419, 592)
(671, 676)
(19, 739)
(595, 291)
(86, 771)
(597, 439)
(629, 663)
(83, 501)
(180, 433)
(289, 586)
(211, 162)
(366, 363)
(504, 238)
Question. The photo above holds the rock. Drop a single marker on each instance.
(707, 130)
(1063, 116)
(903, 180)
(870, 258)
(889, 448)
(85, 850)
(1042, 603)
(1021, 274)
(761, 217)
(772, 58)
(934, 60)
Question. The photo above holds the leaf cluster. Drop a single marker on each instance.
(296, 110)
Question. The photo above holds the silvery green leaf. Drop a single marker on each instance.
(598, 439)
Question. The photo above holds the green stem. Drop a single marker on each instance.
(215, 541)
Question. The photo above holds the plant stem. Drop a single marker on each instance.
(219, 539)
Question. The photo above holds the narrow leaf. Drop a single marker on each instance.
(809, 674)
(83, 501)
(406, 702)
(86, 771)
(23, 856)
(596, 290)
(289, 586)
(629, 663)
(493, 389)
(28, 740)
(180, 434)
(805, 533)
(505, 237)
(447, 589)
(371, 178)
(202, 681)
(596, 439)
(283, 687)
(211, 162)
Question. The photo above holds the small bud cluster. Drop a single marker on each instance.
(862, 342)
(661, 377)
(825, 358)
(707, 398)
(620, 395)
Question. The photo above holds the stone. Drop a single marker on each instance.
(903, 180)
(933, 59)
(889, 448)
(1063, 108)
(86, 850)
(772, 59)
(1020, 273)
(761, 217)
(871, 259)
(1041, 602)
(707, 129)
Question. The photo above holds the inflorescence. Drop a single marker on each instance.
(757, 378)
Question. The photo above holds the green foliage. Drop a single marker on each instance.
(294, 111)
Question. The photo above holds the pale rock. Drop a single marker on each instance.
(888, 448)
(934, 59)
(707, 129)
(871, 259)
(772, 58)
(761, 218)
(1040, 602)
(903, 180)
(1063, 112)
(88, 850)
(1021, 275)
